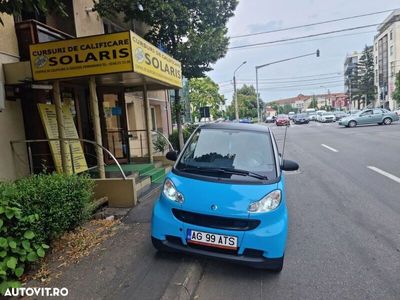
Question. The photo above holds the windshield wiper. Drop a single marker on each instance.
(226, 171)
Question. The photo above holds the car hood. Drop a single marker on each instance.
(223, 199)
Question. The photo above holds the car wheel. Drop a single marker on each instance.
(352, 124)
(387, 121)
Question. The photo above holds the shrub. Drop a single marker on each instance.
(59, 200)
(34, 210)
(19, 245)
(159, 144)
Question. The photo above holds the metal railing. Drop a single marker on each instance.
(138, 141)
(68, 140)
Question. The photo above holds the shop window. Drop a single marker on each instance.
(153, 119)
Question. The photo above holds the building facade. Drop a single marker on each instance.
(387, 59)
(131, 107)
(350, 71)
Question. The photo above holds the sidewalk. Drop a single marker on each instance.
(126, 266)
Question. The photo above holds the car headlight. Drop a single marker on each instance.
(171, 192)
(268, 203)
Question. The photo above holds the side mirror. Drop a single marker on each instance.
(289, 165)
(172, 155)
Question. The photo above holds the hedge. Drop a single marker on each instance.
(33, 211)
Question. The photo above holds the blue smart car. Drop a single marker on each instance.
(225, 197)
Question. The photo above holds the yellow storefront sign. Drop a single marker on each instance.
(49, 120)
(150, 61)
(103, 54)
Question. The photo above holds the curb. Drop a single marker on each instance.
(184, 282)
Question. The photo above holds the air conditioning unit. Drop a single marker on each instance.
(2, 96)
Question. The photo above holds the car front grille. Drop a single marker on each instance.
(215, 221)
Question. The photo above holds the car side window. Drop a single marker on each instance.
(366, 113)
(378, 111)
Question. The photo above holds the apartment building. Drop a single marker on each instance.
(350, 71)
(387, 59)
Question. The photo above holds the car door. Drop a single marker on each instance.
(366, 117)
(378, 115)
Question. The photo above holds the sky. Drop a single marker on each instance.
(287, 79)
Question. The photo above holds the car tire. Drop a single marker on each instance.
(387, 121)
(352, 124)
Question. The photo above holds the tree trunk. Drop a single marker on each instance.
(178, 118)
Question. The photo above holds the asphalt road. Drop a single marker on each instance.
(344, 231)
(344, 221)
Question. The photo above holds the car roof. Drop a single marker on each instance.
(235, 126)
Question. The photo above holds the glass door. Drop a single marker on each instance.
(114, 129)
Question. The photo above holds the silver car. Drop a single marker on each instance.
(370, 116)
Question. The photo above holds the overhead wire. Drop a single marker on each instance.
(312, 24)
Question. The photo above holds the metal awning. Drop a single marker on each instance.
(117, 59)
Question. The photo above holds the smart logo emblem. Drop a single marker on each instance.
(214, 207)
(139, 53)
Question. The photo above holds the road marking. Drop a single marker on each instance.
(384, 173)
(330, 148)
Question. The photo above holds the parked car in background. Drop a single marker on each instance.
(301, 119)
(291, 115)
(370, 116)
(319, 114)
(282, 120)
(270, 119)
(312, 115)
(340, 115)
(246, 120)
(353, 112)
(327, 117)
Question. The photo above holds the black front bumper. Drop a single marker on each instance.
(273, 264)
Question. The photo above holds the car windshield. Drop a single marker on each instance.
(213, 149)
(327, 114)
(282, 116)
(301, 116)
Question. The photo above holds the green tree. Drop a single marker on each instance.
(287, 108)
(367, 89)
(314, 102)
(362, 79)
(205, 92)
(247, 103)
(15, 7)
(396, 92)
(193, 32)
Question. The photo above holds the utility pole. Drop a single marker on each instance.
(275, 62)
(234, 91)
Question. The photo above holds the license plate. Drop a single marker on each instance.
(211, 239)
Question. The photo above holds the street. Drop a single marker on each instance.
(344, 231)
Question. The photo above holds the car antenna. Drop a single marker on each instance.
(284, 143)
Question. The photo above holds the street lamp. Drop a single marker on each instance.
(234, 90)
(272, 63)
